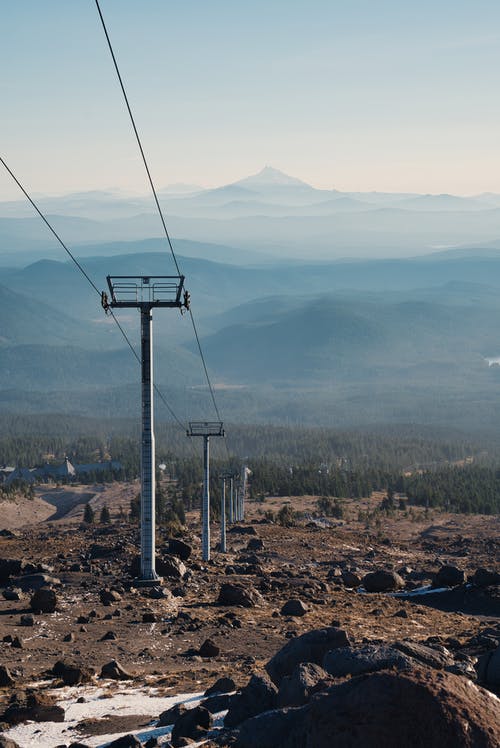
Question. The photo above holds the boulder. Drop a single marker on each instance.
(295, 689)
(36, 581)
(488, 670)
(170, 567)
(415, 707)
(382, 580)
(109, 597)
(170, 716)
(485, 577)
(10, 567)
(6, 678)
(115, 671)
(12, 594)
(350, 579)
(294, 607)
(72, 674)
(449, 576)
(222, 685)
(366, 659)
(209, 649)
(309, 647)
(193, 723)
(44, 600)
(126, 741)
(36, 707)
(236, 594)
(259, 695)
(255, 544)
(179, 548)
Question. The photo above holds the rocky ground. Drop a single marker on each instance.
(70, 613)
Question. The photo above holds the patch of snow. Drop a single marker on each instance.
(99, 702)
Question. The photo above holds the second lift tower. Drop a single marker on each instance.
(145, 293)
(206, 429)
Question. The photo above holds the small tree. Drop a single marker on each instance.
(105, 517)
(88, 514)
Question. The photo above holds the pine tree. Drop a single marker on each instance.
(88, 514)
(105, 517)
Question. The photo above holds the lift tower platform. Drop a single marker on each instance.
(146, 292)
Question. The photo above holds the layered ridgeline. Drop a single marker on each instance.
(269, 214)
(343, 343)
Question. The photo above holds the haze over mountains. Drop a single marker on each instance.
(266, 216)
(290, 331)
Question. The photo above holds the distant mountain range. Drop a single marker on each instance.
(269, 214)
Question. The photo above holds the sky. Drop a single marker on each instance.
(355, 95)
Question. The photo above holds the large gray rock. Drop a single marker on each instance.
(193, 723)
(382, 580)
(179, 548)
(236, 594)
(72, 674)
(449, 576)
(115, 671)
(411, 708)
(35, 581)
(366, 659)
(259, 695)
(309, 647)
(294, 607)
(296, 689)
(170, 567)
(44, 601)
(485, 578)
(488, 670)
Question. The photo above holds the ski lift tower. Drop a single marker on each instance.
(225, 477)
(206, 429)
(146, 293)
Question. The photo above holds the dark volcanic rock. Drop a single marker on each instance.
(6, 678)
(350, 579)
(295, 689)
(259, 695)
(11, 594)
(126, 741)
(35, 581)
(71, 674)
(193, 723)
(109, 597)
(294, 607)
(171, 567)
(37, 707)
(115, 671)
(209, 649)
(179, 548)
(366, 659)
(9, 567)
(169, 716)
(383, 709)
(222, 685)
(242, 530)
(44, 601)
(488, 670)
(310, 647)
(485, 577)
(236, 594)
(255, 544)
(382, 581)
(449, 576)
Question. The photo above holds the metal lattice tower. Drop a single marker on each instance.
(145, 293)
(206, 429)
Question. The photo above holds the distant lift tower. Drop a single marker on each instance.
(145, 293)
(225, 477)
(206, 429)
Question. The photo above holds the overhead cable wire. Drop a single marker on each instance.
(155, 195)
(90, 281)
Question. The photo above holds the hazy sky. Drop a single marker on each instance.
(354, 94)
